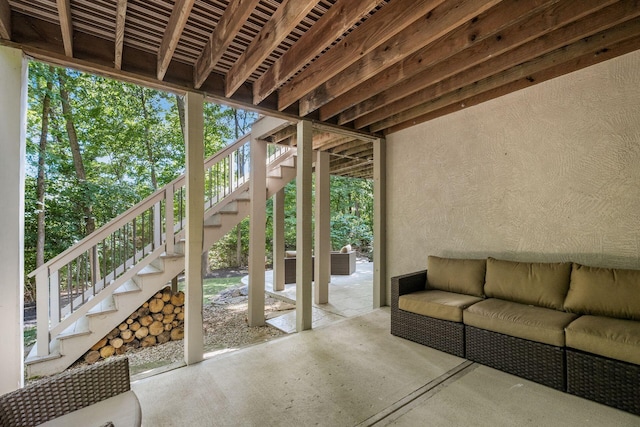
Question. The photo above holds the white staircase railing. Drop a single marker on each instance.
(74, 282)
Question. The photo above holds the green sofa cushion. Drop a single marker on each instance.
(614, 338)
(539, 284)
(439, 304)
(538, 324)
(609, 292)
(463, 276)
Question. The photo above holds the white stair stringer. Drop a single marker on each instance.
(116, 308)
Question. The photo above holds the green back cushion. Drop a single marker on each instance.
(540, 284)
(608, 292)
(463, 276)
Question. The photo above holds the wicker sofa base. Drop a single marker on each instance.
(542, 363)
(442, 335)
(604, 380)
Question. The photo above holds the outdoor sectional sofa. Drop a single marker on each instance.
(568, 326)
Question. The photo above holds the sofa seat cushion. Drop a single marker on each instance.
(538, 324)
(438, 304)
(614, 338)
(463, 276)
(536, 283)
(611, 292)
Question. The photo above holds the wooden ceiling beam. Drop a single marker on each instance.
(493, 56)
(380, 27)
(365, 150)
(341, 149)
(591, 58)
(333, 143)
(340, 17)
(171, 37)
(121, 16)
(5, 20)
(285, 19)
(350, 165)
(473, 32)
(225, 31)
(560, 61)
(66, 26)
(440, 21)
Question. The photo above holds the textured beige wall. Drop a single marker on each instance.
(547, 173)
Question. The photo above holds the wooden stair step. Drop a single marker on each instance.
(149, 270)
(78, 328)
(105, 307)
(128, 287)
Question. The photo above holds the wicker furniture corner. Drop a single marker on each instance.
(440, 334)
(343, 264)
(542, 363)
(608, 381)
(64, 393)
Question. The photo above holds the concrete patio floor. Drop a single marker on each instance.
(349, 296)
(354, 373)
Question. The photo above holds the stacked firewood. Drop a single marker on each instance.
(157, 321)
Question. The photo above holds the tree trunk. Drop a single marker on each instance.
(147, 142)
(180, 104)
(41, 185)
(87, 208)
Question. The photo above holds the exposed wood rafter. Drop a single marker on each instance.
(375, 31)
(591, 46)
(440, 21)
(516, 44)
(5, 20)
(66, 27)
(472, 32)
(121, 16)
(177, 22)
(288, 15)
(224, 33)
(340, 17)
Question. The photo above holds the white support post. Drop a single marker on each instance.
(168, 221)
(257, 231)
(278, 240)
(13, 124)
(322, 229)
(157, 227)
(194, 154)
(381, 292)
(303, 226)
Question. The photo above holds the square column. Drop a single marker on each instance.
(257, 231)
(303, 226)
(278, 240)
(322, 229)
(194, 178)
(13, 125)
(381, 292)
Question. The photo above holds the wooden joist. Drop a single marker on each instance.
(472, 32)
(230, 23)
(288, 15)
(121, 16)
(339, 18)
(438, 22)
(435, 86)
(5, 20)
(177, 22)
(66, 26)
(585, 52)
(375, 31)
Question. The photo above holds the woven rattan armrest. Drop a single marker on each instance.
(408, 283)
(64, 393)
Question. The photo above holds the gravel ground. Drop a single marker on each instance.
(225, 327)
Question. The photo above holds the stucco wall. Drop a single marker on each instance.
(548, 173)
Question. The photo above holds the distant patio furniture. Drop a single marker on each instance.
(96, 395)
(342, 264)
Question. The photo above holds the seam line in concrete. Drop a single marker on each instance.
(418, 396)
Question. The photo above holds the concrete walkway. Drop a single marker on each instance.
(349, 296)
(354, 373)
